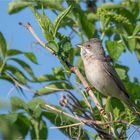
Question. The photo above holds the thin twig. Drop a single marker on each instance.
(101, 132)
(82, 120)
(66, 126)
(30, 29)
(61, 112)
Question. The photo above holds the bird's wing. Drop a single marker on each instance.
(113, 74)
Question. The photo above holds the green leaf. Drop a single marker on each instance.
(31, 57)
(17, 6)
(59, 73)
(110, 5)
(11, 117)
(45, 24)
(34, 107)
(131, 44)
(67, 45)
(2, 63)
(134, 90)
(54, 87)
(8, 128)
(24, 65)
(76, 51)
(138, 54)
(115, 49)
(22, 124)
(59, 19)
(61, 120)
(16, 73)
(45, 78)
(86, 26)
(116, 103)
(108, 106)
(51, 4)
(53, 45)
(13, 52)
(122, 73)
(7, 78)
(137, 29)
(17, 103)
(80, 65)
(3, 45)
(43, 131)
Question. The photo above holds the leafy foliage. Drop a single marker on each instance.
(11, 73)
(116, 24)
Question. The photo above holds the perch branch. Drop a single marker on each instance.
(82, 79)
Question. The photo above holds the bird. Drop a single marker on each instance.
(102, 75)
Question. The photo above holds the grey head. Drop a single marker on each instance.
(92, 48)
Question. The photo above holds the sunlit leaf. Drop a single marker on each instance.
(45, 24)
(12, 117)
(17, 6)
(137, 29)
(138, 54)
(3, 45)
(8, 128)
(42, 130)
(54, 87)
(53, 45)
(24, 65)
(45, 78)
(85, 25)
(17, 103)
(59, 18)
(108, 106)
(109, 5)
(31, 57)
(115, 49)
(17, 73)
(51, 4)
(59, 73)
(131, 44)
(13, 52)
(35, 107)
(121, 73)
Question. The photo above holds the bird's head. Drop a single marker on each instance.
(93, 48)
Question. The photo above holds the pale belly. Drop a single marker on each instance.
(99, 79)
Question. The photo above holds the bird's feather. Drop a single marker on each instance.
(113, 74)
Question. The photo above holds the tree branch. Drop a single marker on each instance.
(75, 70)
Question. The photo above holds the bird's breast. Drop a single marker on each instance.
(93, 72)
(99, 79)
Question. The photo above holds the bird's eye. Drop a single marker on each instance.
(88, 46)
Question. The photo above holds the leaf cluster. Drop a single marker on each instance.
(118, 27)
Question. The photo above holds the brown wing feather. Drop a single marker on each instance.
(113, 74)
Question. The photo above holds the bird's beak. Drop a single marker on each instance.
(79, 45)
